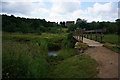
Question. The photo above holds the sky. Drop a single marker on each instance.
(62, 10)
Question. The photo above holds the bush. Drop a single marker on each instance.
(69, 42)
(80, 45)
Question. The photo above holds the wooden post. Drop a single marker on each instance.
(82, 36)
(91, 35)
(96, 36)
(101, 36)
(87, 35)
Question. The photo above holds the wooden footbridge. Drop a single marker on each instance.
(82, 36)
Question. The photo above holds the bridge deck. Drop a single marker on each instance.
(89, 42)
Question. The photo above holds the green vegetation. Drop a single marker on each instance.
(112, 47)
(80, 45)
(108, 38)
(26, 25)
(111, 27)
(23, 60)
(69, 41)
(39, 26)
(26, 56)
(66, 53)
(26, 43)
(81, 66)
(111, 38)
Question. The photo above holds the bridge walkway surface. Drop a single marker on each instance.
(88, 41)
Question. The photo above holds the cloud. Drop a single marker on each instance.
(42, 0)
(65, 7)
(62, 10)
(99, 12)
(104, 11)
(17, 8)
(119, 13)
(27, 9)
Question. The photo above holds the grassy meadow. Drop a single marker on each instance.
(26, 56)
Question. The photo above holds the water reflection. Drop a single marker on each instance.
(54, 53)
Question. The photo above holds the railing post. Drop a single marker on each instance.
(91, 35)
(101, 36)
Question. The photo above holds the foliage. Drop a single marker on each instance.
(26, 25)
(23, 60)
(81, 23)
(118, 24)
(81, 66)
(111, 27)
(63, 24)
(25, 56)
(80, 45)
(69, 42)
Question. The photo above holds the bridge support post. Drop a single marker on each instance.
(101, 36)
(91, 35)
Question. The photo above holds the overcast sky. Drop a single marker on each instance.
(62, 10)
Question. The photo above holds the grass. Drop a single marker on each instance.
(108, 38)
(111, 38)
(25, 56)
(20, 36)
(81, 66)
(23, 60)
(66, 53)
(53, 40)
(112, 47)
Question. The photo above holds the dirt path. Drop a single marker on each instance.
(107, 61)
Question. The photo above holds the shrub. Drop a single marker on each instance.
(68, 42)
(80, 45)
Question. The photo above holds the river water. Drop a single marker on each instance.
(54, 53)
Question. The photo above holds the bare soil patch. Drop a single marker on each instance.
(107, 61)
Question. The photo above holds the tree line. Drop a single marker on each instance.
(27, 25)
(111, 27)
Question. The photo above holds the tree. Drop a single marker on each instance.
(72, 27)
(118, 24)
(62, 24)
(81, 23)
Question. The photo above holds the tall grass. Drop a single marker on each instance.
(30, 59)
(69, 41)
(23, 61)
